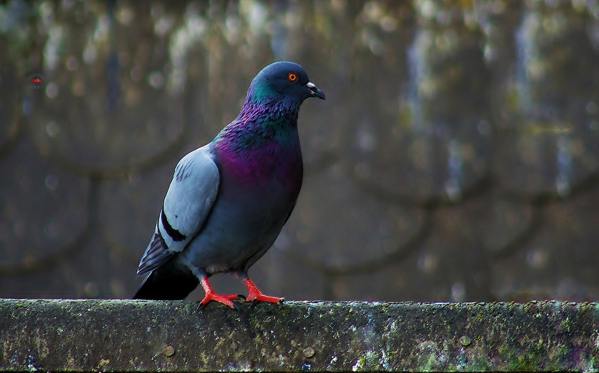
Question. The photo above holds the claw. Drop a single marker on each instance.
(224, 299)
(263, 298)
(210, 296)
(255, 295)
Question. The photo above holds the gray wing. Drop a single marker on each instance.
(187, 204)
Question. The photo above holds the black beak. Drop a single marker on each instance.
(315, 91)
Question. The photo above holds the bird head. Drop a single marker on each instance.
(283, 81)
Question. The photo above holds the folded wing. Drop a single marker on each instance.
(186, 207)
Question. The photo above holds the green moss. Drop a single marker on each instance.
(479, 364)
(565, 325)
(532, 359)
(431, 363)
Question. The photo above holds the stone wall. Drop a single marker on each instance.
(114, 335)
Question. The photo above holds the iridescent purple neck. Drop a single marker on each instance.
(260, 122)
(263, 99)
(269, 111)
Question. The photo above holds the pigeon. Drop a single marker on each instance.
(228, 200)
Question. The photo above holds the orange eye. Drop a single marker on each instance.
(292, 77)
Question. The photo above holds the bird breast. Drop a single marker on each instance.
(268, 167)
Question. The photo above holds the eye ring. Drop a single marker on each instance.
(292, 77)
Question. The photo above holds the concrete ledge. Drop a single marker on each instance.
(117, 335)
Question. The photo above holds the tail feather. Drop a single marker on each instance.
(167, 282)
(156, 254)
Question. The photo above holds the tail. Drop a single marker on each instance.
(167, 282)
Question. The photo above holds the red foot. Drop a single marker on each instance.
(255, 295)
(224, 299)
(210, 296)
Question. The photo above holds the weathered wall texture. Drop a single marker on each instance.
(117, 335)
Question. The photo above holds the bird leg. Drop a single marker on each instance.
(254, 294)
(225, 299)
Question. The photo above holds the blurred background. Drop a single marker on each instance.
(455, 159)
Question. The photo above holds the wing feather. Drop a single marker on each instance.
(187, 204)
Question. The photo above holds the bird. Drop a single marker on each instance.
(229, 199)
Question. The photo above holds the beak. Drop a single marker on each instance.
(315, 91)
